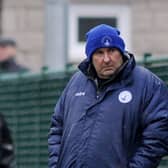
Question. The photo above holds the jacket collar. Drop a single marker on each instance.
(122, 76)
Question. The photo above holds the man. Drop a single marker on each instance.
(8, 50)
(6, 145)
(112, 114)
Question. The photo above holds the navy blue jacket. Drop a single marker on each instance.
(123, 126)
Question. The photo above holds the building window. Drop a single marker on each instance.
(84, 17)
(86, 23)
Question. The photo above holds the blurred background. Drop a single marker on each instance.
(52, 32)
(50, 38)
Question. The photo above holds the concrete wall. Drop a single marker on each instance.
(23, 20)
(150, 26)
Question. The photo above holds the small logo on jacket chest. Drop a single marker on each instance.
(80, 94)
(125, 96)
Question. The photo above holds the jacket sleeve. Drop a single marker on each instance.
(154, 141)
(56, 128)
(55, 134)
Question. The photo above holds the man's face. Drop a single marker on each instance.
(7, 52)
(106, 61)
(2, 54)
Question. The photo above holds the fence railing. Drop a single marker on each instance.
(28, 100)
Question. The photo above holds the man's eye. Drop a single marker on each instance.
(98, 52)
(112, 49)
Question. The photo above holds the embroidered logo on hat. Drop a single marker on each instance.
(106, 41)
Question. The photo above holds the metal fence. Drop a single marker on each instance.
(28, 101)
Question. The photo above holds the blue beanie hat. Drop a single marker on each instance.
(103, 36)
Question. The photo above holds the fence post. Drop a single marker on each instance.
(146, 56)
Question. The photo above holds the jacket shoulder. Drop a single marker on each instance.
(150, 81)
(77, 79)
(145, 74)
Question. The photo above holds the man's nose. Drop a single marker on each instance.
(106, 57)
